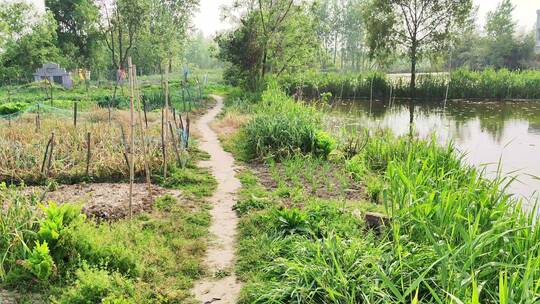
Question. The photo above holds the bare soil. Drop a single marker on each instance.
(105, 201)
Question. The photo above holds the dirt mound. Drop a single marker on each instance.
(105, 201)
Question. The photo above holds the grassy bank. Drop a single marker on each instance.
(463, 84)
(448, 234)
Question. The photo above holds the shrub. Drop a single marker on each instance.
(12, 107)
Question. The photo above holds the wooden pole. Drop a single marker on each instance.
(164, 122)
(45, 156)
(75, 114)
(132, 138)
(88, 155)
(144, 109)
(51, 155)
(175, 145)
(143, 134)
(38, 119)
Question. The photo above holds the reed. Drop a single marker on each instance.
(461, 84)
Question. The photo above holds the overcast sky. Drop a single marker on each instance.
(208, 18)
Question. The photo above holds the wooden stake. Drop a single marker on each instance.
(45, 156)
(187, 131)
(132, 138)
(143, 134)
(124, 143)
(175, 145)
(164, 122)
(88, 155)
(51, 155)
(75, 114)
(38, 119)
(144, 109)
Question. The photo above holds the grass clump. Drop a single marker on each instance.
(282, 128)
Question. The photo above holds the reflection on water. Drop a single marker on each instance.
(486, 131)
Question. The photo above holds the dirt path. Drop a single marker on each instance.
(221, 285)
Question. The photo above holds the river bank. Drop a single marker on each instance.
(443, 232)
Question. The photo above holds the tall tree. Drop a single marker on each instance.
(272, 37)
(417, 28)
(77, 30)
(122, 23)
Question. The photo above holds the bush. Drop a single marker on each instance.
(12, 107)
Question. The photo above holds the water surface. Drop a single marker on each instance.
(488, 133)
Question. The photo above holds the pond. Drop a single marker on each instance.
(488, 133)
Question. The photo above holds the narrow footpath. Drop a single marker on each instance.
(220, 285)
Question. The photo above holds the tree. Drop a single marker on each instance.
(417, 28)
(77, 31)
(122, 23)
(273, 37)
(30, 48)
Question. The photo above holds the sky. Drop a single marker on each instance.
(208, 18)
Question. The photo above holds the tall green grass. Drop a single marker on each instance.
(282, 127)
(454, 235)
(462, 84)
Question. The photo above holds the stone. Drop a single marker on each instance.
(54, 73)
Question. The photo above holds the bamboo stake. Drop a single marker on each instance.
(144, 109)
(124, 143)
(142, 130)
(38, 119)
(175, 146)
(75, 114)
(45, 156)
(51, 155)
(132, 138)
(88, 155)
(164, 122)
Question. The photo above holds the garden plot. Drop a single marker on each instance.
(105, 201)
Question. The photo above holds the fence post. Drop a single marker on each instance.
(88, 155)
(75, 113)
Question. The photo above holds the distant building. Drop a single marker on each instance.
(537, 48)
(54, 73)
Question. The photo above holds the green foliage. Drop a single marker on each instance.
(324, 143)
(251, 204)
(463, 84)
(195, 181)
(281, 128)
(57, 219)
(94, 285)
(18, 222)
(39, 262)
(12, 107)
(165, 202)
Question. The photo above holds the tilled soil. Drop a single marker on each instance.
(106, 201)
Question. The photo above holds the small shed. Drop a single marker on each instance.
(54, 73)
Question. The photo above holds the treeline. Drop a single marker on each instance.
(354, 36)
(93, 35)
(460, 84)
